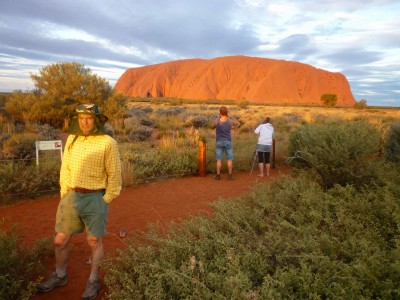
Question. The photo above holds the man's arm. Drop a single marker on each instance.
(65, 172)
(214, 124)
(113, 170)
(234, 122)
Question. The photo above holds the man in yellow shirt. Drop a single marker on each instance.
(90, 178)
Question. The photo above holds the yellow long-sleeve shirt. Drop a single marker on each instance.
(93, 162)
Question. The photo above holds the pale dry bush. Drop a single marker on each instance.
(178, 139)
(128, 174)
(131, 123)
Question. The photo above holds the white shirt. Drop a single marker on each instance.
(266, 132)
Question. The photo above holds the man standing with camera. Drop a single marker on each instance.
(223, 125)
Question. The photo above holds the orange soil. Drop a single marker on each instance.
(136, 207)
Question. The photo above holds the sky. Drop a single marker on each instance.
(358, 38)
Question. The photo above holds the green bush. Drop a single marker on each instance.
(147, 122)
(197, 121)
(392, 144)
(290, 240)
(337, 153)
(329, 99)
(158, 164)
(21, 180)
(20, 146)
(21, 267)
(140, 134)
(47, 133)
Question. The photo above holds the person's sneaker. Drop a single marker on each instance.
(52, 282)
(217, 177)
(230, 177)
(92, 289)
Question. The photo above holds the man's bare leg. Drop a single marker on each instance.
(230, 166)
(96, 244)
(61, 243)
(219, 167)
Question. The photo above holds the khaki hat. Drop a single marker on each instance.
(91, 109)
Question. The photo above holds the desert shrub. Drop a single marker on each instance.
(189, 137)
(21, 267)
(20, 146)
(362, 104)
(392, 144)
(109, 129)
(47, 133)
(147, 122)
(3, 137)
(140, 134)
(137, 112)
(170, 111)
(197, 121)
(130, 123)
(282, 125)
(157, 164)
(248, 122)
(243, 104)
(147, 109)
(290, 240)
(329, 99)
(21, 180)
(292, 117)
(337, 153)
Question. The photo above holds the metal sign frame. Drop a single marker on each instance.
(48, 145)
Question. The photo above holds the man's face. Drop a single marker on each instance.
(86, 122)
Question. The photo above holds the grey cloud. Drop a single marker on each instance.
(169, 30)
(182, 28)
(300, 46)
(353, 56)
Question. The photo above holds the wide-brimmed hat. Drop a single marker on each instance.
(91, 109)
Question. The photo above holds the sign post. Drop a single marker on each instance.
(202, 159)
(48, 145)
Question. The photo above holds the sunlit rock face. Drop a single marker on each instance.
(253, 79)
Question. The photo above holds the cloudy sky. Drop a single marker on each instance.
(359, 38)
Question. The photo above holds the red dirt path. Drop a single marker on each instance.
(136, 207)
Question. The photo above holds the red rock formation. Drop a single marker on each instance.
(254, 79)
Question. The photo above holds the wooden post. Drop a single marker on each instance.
(273, 154)
(202, 158)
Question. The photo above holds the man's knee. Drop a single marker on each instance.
(94, 241)
(61, 240)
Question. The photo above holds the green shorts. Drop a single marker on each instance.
(77, 211)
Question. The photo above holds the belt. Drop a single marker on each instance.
(85, 191)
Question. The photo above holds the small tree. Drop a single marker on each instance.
(361, 104)
(329, 99)
(59, 88)
(243, 104)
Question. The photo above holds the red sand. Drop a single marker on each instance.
(133, 210)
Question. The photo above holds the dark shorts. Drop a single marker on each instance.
(224, 146)
(77, 211)
(263, 157)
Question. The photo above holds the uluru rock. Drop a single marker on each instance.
(255, 79)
